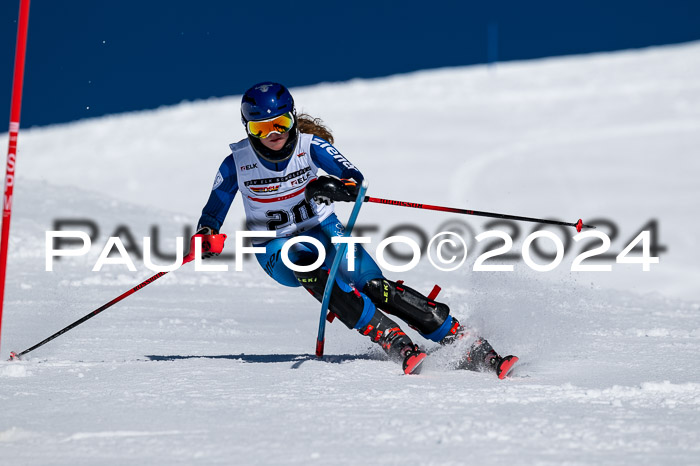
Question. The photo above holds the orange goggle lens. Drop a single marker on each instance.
(262, 129)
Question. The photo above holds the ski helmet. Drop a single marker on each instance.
(264, 101)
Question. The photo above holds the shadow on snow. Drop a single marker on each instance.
(297, 359)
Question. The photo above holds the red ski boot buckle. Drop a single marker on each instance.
(433, 294)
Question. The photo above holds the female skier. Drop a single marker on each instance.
(276, 170)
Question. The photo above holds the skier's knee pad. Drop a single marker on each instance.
(409, 305)
(345, 303)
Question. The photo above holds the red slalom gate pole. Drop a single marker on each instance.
(578, 225)
(15, 110)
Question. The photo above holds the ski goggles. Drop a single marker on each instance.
(264, 128)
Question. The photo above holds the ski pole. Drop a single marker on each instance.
(321, 339)
(578, 225)
(207, 246)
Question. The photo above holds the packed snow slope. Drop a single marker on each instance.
(217, 368)
(606, 136)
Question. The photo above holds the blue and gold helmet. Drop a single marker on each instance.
(266, 101)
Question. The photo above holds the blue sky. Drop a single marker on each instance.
(89, 58)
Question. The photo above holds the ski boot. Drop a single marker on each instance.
(481, 356)
(397, 345)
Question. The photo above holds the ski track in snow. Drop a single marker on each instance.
(218, 368)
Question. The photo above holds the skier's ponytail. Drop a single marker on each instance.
(310, 125)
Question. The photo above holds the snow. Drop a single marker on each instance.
(218, 368)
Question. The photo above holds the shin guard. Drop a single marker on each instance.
(422, 314)
(347, 304)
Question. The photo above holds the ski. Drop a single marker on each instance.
(505, 365)
(502, 366)
(413, 363)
